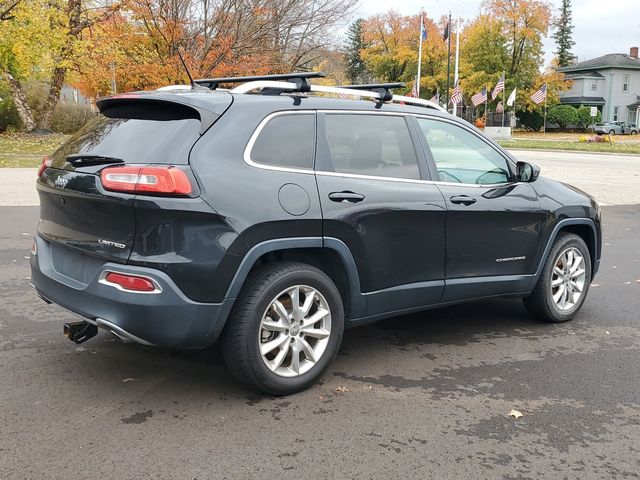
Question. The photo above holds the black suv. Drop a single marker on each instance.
(273, 220)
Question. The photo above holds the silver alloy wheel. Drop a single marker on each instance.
(294, 331)
(568, 279)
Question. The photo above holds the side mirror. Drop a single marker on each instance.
(527, 172)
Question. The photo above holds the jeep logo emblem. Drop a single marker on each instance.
(61, 182)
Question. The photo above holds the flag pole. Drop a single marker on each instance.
(455, 76)
(420, 55)
(448, 59)
(486, 104)
(544, 125)
(504, 91)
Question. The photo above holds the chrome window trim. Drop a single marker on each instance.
(265, 120)
(254, 136)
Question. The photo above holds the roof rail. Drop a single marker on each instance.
(345, 91)
(384, 89)
(299, 78)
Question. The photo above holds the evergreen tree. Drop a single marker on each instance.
(562, 35)
(356, 68)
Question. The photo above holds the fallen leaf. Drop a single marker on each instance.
(321, 397)
(515, 414)
(340, 389)
(607, 332)
(128, 380)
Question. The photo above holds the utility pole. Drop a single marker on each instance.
(455, 80)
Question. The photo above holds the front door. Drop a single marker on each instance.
(375, 199)
(493, 222)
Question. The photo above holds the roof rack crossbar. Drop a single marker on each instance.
(384, 89)
(300, 78)
(340, 90)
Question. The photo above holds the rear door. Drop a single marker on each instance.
(376, 199)
(77, 213)
(494, 223)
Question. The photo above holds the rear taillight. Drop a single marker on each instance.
(131, 283)
(46, 163)
(149, 180)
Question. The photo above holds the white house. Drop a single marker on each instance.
(610, 82)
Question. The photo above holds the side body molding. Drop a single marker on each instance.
(358, 300)
(564, 223)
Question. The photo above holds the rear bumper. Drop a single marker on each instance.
(168, 318)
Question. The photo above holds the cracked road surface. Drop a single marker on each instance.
(421, 396)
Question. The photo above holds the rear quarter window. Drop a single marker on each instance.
(286, 141)
(161, 133)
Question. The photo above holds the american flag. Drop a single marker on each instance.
(414, 90)
(540, 96)
(456, 96)
(499, 87)
(435, 98)
(479, 98)
(423, 30)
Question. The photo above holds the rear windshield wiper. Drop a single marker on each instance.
(84, 159)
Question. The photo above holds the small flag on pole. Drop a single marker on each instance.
(423, 30)
(512, 98)
(479, 98)
(499, 88)
(456, 96)
(414, 90)
(499, 107)
(436, 98)
(445, 35)
(540, 96)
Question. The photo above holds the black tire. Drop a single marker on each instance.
(540, 303)
(633, 132)
(240, 345)
(612, 132)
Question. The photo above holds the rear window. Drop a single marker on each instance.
(136, 133)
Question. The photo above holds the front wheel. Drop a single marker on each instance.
(564, 282)
(612, 132)
(285, 328)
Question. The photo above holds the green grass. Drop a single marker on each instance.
(532, 144)
(25, 150)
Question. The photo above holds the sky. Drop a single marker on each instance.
(600, 27)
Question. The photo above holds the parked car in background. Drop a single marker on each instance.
(616, 128)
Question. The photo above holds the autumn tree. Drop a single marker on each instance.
(392, 50)
(524, 25)
(563, 35)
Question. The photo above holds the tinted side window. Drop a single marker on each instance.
(286, 141)
(371, 145)
(462, 157)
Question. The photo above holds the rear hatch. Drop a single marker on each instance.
(82, 214)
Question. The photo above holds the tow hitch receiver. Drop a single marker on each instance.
(80, 332)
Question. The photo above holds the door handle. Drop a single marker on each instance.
(463, 199)
(346, 196)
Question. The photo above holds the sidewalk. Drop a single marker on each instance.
(18, 187)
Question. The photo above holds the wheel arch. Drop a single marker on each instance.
(585, 228)
(330, 255)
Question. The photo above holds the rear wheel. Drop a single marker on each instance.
(285, 328)
(612, 132)
(633, 132)
(564, 282)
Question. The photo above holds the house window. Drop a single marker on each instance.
(594, 85)
(625, 84)
(616, 113)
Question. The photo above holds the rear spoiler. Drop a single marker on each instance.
(208, 111)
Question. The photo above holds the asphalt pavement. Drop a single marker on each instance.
(420, 396)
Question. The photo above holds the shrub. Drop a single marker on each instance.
(585, 119)
(70, 117)
(530, 120)
(9, 119)
(563, 115)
